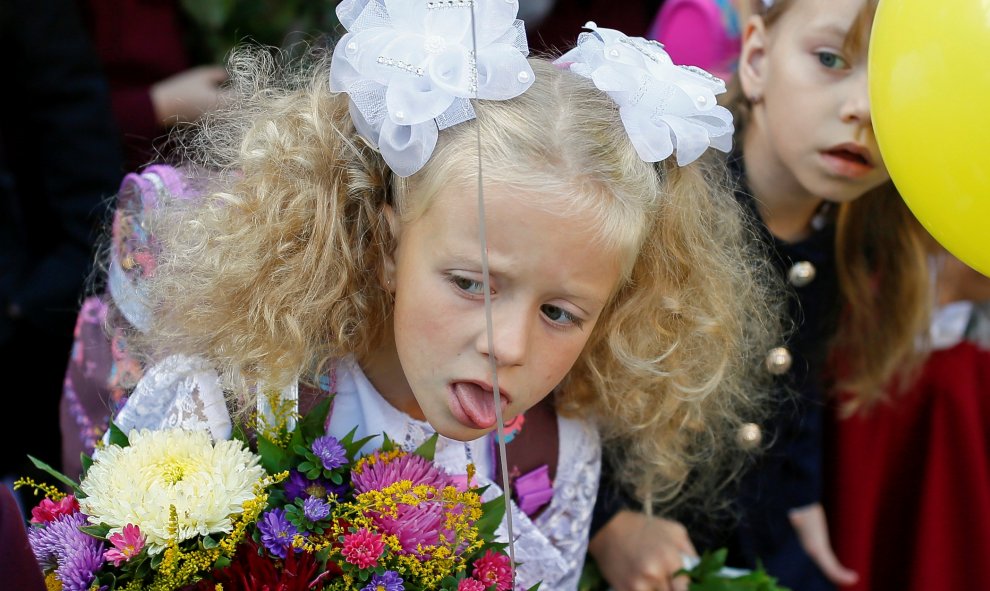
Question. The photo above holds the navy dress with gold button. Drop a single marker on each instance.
(789, 474)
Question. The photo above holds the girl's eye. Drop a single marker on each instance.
(558, 315)
(831, 60)
(467, 285)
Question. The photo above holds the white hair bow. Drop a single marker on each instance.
(410, 68)
(664, 107)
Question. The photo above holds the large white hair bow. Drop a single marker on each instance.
(410, 68)
(664, 107)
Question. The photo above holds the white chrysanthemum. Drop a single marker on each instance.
(206, 482)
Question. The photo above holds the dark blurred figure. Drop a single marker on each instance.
(557, 31)
(155, 83)
(18, 569)
(59, 164)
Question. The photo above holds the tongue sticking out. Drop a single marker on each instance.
(478, 404)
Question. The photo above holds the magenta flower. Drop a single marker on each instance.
(48, 510)
(494, 569)
(415, 526)
(126, 545)
(362, 548)
(470, 584)
(385, 470)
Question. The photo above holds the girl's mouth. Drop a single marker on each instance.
(850, 160)
(473, 406)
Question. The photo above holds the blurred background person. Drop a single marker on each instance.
(144, 47)
(59, 162)
(909, 477)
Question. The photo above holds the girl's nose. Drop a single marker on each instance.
(856, 106)
(510, 336)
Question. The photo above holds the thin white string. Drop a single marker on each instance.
(492, 361)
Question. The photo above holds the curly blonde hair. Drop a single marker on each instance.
(277, 269)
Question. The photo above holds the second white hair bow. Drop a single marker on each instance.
(664, 107)
(410, 68)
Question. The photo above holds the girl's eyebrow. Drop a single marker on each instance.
(829, 28)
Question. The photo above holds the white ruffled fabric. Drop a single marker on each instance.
(410, 68)
(664, 107)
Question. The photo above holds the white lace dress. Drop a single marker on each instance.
(184, 392)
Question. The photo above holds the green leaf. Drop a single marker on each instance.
(492, 513)
(273, 458)
(221, 562)
(708, 575)
(86, 462)
(305, 466)
(118, 437)
(353, 448)
(97, 531)
(57, 475)
(241, 435)
(336, 478)
(209, 542)
(428, 448)
(313, 423)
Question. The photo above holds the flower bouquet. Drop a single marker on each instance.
(296, 509)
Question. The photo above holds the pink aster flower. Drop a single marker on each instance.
(385, 471)
(47, 510)
(362, 548)
(470, 584)
(126, 545)
(494, 569)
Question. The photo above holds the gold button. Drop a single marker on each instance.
(749, 436)
(801, 274)
(778, 360)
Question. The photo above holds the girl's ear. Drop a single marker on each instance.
(753, 58)
(388, 269)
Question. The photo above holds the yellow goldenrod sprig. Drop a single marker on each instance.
(40, 488)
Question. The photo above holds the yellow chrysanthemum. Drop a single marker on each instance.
(207, 484)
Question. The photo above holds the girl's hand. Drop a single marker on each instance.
(812, 530)
(636, 552)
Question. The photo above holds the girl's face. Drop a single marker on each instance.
(549, 284)
(810, 124)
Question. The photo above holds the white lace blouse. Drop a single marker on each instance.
(183, 392)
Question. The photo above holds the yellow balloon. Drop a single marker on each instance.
(930, 102)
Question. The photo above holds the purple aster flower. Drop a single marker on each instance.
(387, 581)
(276, 532)
(79, 568)
(76, 555)
(330, 451)
(315, 509)
(298, 486)
(385, 471)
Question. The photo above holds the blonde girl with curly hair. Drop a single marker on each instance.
(628, 301)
